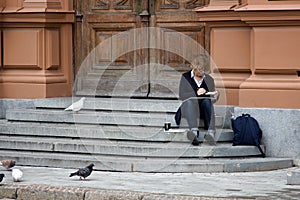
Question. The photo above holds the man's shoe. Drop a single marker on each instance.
(210, 138)
(196, 142)
(193, 137)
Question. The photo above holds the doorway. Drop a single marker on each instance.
(136, 48)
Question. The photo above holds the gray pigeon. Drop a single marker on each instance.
(83, 172)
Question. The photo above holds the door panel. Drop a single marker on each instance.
(181, 40)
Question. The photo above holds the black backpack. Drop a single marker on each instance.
(246, 131)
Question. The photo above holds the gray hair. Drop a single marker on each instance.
(200, 63)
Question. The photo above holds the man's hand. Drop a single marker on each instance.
(201, 91)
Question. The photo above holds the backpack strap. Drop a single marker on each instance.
(258, 146)
(261, 151)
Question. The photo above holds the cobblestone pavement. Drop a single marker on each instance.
(55, 183)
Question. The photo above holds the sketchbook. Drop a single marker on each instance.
(198, 98)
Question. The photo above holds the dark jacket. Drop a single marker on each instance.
(188, 88)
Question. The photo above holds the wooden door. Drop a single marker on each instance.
(136, 48)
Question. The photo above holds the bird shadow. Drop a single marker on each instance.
(5, 170)
(82, 180)
(19, 181)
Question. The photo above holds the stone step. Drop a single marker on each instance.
(124, 104)
(135, 133)
(120, 104)
(163, 106)
(121, 134)
(126, 148)
(138, 164)
(99, 117)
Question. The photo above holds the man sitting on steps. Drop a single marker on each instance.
(197, 91)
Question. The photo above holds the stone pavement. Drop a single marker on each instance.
(55, 183)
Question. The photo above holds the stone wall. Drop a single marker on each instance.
(281, 130)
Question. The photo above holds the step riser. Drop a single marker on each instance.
(148, 165)
(105, 132)
(247, 167)
(112, 148)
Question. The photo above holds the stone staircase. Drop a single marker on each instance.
(119, 134)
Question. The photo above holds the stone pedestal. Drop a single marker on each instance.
(37, 49)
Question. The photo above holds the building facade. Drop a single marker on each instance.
(253, 45)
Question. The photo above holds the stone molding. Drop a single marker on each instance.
(9, 6)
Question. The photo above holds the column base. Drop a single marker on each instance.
(34, 91)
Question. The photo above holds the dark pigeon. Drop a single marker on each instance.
(83, 172)
(8, 164)
(1, 177)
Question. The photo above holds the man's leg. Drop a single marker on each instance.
(208, 115)
(190, 111)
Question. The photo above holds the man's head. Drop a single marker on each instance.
(198, 68)
(200, 63)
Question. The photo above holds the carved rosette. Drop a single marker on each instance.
(115, 5)
(165, 4)
(123, 5)
(187, 4)
(194, 3)
(101, 4)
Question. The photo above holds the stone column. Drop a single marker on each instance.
(275, 47)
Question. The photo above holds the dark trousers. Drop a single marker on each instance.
(199, 109)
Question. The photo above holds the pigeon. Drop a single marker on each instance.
(16, 174)
(1, 177)
(76, 106)
(83, 172)
(8, 164)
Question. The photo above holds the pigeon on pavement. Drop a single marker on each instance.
(8, 164)
(1, 177)
(16, 174)
(83, 172)
(76, 106)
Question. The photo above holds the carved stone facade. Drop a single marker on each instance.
(254, 44)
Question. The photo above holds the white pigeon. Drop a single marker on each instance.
(76, 106)
(16, 174)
